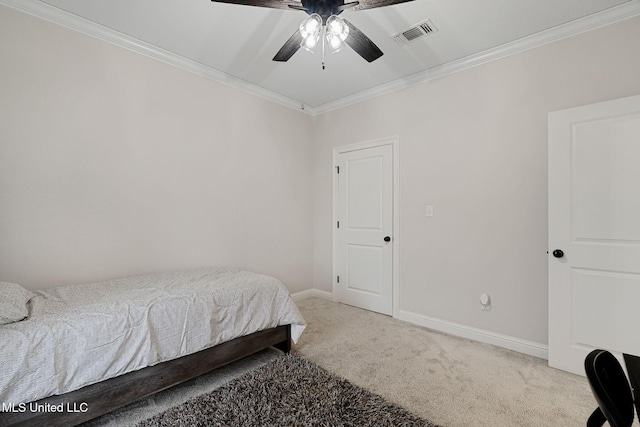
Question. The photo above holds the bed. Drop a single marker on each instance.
(83, 350)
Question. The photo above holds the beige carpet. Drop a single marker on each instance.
(450, 381)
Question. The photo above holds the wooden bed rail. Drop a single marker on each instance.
(89, 402)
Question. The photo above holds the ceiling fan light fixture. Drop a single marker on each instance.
(311, 25)
(337, 27)
(335, 44)
(310, 43)
(310, 32)
(336, 32)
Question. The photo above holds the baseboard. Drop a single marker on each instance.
(505, 341)
(312, 293)
(516, 344)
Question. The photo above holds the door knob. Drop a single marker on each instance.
(387, 239)
(558, 253)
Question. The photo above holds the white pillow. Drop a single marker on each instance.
(13, 302)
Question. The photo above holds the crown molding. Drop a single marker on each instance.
(85, 26)
(52, 14)
(570, 29)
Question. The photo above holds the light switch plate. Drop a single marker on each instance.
(429, 211)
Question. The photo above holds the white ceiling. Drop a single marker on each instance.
(236, 43)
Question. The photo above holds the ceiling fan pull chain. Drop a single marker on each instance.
(324, 29)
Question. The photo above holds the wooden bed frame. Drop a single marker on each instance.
(97, 399)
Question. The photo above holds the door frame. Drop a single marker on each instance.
(394, 141)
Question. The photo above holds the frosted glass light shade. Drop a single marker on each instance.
(336, 31)
(310, 32)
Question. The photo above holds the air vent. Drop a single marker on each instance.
(419, 30)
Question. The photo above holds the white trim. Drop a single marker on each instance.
(480, 335)
(394, 141)
(396, 225)
(85, 26)
(516, 344)
(609, 16)
(312, 293)
(390, 140)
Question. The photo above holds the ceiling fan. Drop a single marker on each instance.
(324, 24)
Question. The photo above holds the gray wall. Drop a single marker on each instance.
(114, 164)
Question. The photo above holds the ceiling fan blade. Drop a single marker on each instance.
(346, 6)
(362, 44)
(273, 4)
(371, 4)
(290, 47)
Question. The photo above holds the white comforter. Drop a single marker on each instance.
(82, 334)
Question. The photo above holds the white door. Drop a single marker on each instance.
(594, 219)
(364, 228)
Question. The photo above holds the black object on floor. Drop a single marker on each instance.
(611, 390)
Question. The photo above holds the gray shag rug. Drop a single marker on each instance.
(288, 391)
